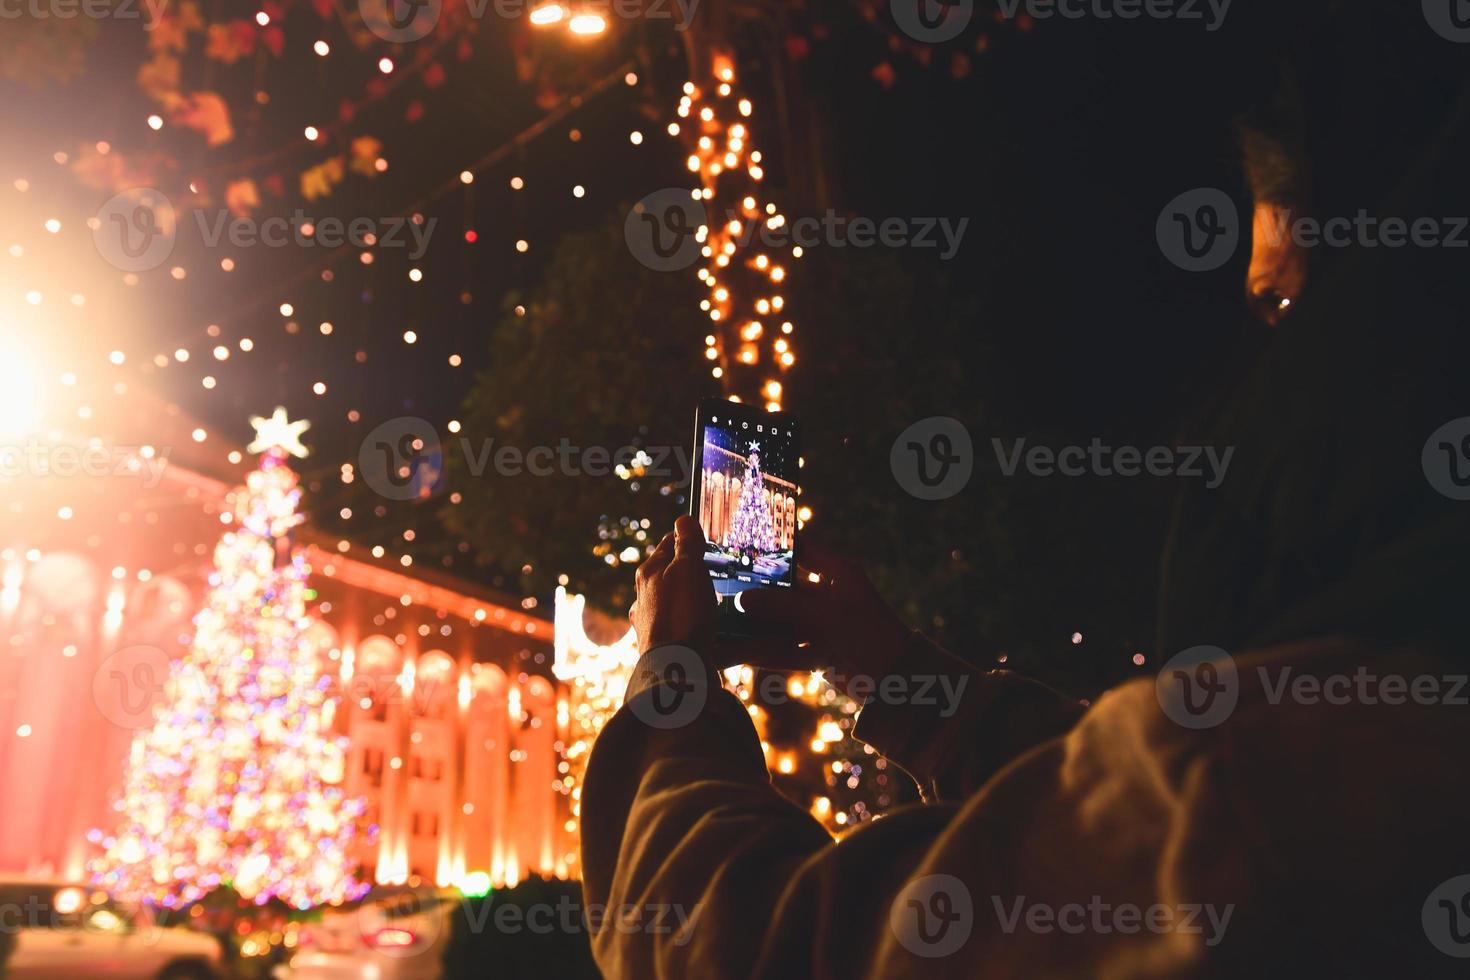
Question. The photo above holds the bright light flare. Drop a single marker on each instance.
(20, 398)
(587, 24)
(547, 14)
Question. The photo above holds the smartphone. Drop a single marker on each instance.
(743, 493)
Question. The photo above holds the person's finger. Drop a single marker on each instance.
(657, 560)
(688, 538)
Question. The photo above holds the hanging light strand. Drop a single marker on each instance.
(750, 343)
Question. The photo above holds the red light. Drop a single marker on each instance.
(394, 938)
(471, 237)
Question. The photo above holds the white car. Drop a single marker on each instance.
(393, 935)
(64, 932)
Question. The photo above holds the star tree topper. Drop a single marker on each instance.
(277, 433)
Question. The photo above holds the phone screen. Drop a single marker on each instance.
(746, 500)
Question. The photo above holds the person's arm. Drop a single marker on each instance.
(949, 724)
(679, 817)
(680, 820)
(682, 824)
(957, 726)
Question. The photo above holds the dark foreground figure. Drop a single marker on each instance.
(1298, 808)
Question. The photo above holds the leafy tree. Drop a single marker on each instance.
(607, 354)
(603, 358)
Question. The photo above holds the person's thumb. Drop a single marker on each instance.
(688, 538)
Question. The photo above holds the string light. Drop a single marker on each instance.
(739, 271)
(587, 24)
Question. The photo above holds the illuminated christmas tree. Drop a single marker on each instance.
(751, 525)
(237, 781)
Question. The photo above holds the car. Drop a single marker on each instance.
(394, 934)
(64, 931)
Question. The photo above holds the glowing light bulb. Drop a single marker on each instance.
(587, 24)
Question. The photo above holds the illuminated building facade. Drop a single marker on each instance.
(454, 722)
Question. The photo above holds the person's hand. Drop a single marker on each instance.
(833, 619)
(676, 600)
